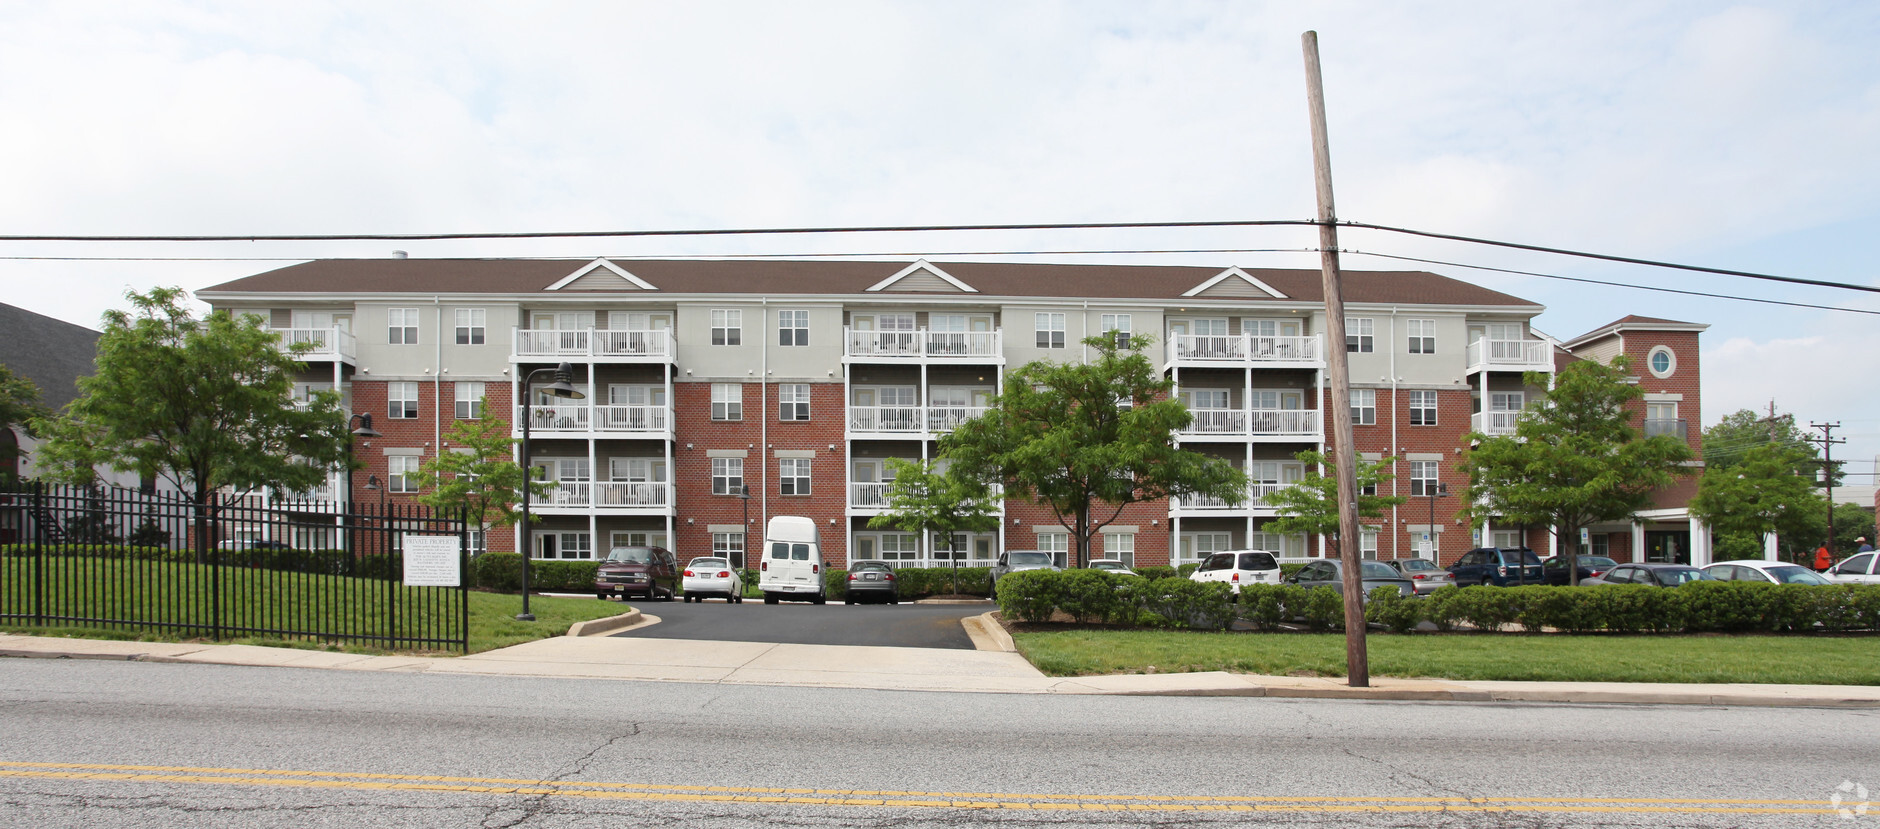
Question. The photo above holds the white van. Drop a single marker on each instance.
(791, 567)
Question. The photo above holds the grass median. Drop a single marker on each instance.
(1798, 660)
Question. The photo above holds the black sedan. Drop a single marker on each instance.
(871, 580)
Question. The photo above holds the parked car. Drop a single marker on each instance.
(709, 576)
(650, 572)
(1018, 561)
(1777, 572)
(793, 566)
(1422, 573)
(872, 580)
(1329, 572)
(1859, 568)
(1112, 566)
(1238, 567)
(1554, 568)
(1500, 567)
(1659, 575)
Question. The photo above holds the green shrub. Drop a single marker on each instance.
(1287, 568)
(1185, 603)
(501, 572)
(1187, 570)
(1487, 608)
(1266, 605)
(920, 582)
(1441, 608)
(1156, 571)
(1397, 613)
(836, 583)
(1090, 596)
(1029, 595)
(1323, 608)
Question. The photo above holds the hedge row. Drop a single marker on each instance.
(330, 562)
(1698, 607)
(1095, 597)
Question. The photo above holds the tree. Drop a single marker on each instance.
(1088, 439)
(924, 501)
(1727, 443)
(1311, 506)
(19, 406)
(478, 475)
(1574, 459)
(206, 404)
(1762, 491)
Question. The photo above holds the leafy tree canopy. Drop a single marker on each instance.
(1311, 506)
(1760, 492)
(1727, 443)
(478, 474)
(19, 406)
(203, 403)
(1088, 439)
(927, 501)
(1574, 459)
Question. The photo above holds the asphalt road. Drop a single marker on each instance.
(904, 625)
(121, 744)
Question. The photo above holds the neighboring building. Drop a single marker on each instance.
(52, 354)
(799, 380)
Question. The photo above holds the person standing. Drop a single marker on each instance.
(1823, 559)
(1864, 546)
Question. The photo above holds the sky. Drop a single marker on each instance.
(1739, 136)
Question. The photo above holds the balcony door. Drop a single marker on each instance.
(645, 479)
(635, 407)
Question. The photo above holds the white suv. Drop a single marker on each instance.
(1238, 567)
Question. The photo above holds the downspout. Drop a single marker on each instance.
(437, 381)
(763, 420)
(1394, 406)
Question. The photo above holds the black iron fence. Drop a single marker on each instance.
(388, 576)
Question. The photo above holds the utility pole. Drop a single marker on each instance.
(1344, 455)
(1827, 441)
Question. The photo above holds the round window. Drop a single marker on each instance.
(1661, 361)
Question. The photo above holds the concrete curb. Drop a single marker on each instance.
(987, 634)
(609, 625)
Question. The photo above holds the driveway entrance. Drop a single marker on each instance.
(791, 623)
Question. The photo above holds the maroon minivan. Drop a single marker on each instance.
(648, 572)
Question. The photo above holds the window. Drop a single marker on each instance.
(1119, 326)
(402, 324)
(469, 400)
(729, 546)
(578, 545)
(1360, 334)
(1661, 361)
(401, 400)
(470, 326)
(793, 328)
(793, 401)
(793, 476)
(727, 476)
(1197, 546)
(1120, 546)
(1367, 542)
(900, 546)
(727, 326)
(1423, 408)
(1058, 545)
(401, 474)
(1423, 476)
(1599, 544)
(1050, 330)
(727, 401)
(1364, 407)
(1422, 336)
(479, 542)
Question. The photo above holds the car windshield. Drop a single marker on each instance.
(1107, 565)
(1795, 575)
(710, 562)
(1378, 570)
(631, 555)
(1412, 565)
(869, 565)
(1029, 559)
(1258, 561)
(1674, 576)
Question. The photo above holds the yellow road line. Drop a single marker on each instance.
(364, 781)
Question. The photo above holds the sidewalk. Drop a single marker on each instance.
(994, 668)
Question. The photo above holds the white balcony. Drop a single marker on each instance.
(963, 346)
(328, 344)
(1494, 423)
(1245, 350)
(885, 419)
(564, 418)
(607, 496)
(575, 417)
(1256, 424)
(594, 344)
(1510, 355)
(630, 419)
(871, 495)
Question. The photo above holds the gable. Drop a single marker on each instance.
(1234, 283)
(923, 277)
(601, 275)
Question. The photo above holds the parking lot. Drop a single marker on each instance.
(798, 623)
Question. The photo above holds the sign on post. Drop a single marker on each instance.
(433, 561)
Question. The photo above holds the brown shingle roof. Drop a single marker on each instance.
(780, 276)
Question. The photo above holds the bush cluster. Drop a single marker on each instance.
(329, 562)
(1698, 607)
(917, 582)
(1094, 597)
(502, 572)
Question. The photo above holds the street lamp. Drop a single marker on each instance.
(363, 430)
(562, 387)
(1435, 492)
(744, 495)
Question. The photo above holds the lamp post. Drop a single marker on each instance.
(562, 387)
(363, 430)
(744, 557)
(1435, 492)
(373, 485)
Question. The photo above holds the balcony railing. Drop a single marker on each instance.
(1254, 422)
(576, 418)
(884, 418)
(333, 343)
(922, 343)
(631, 418)
(948, 418)
(873, 494)
(1523, 355)
(593, 342)
(555, 418)
(1494, 423)
(1674, 427)
(608, 494)
(1245, 348)
(1256, 499)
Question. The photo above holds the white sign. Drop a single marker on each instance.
(432, 561)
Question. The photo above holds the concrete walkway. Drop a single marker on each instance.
(994, 668)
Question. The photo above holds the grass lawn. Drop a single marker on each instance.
(260, 599)
(1805, 660)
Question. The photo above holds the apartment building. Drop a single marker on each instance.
(717, 393)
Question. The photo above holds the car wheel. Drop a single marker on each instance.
(601, 596)
(819, 599)
(770, 598)
(848, 600)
